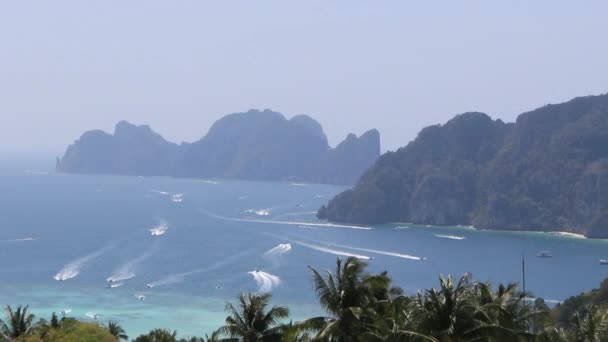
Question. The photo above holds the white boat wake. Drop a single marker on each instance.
(451, 237)
(72, 269)
(278, 250)
(265, 281)
(21, 239)
(375, 251)
(93, 315)
(327, 250)
(177, 198)
(343, 253)
(259, 212)
(206, 181)
(294, 223)
(179, 277)
(307, 227)
(32, 172)
(127, 271)
(159, 230)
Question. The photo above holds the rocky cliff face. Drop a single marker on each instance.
(256, 145)
(131, 150)
(547, 171)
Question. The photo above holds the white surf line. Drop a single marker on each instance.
(179, 277)
(451, 237)
(327, 225)
(72, 269)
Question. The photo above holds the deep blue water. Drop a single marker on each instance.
(212, 242)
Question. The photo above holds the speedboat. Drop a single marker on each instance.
(149, 286)
(544, 254)
(603, 261)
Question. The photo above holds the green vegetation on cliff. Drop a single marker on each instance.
(547, 171)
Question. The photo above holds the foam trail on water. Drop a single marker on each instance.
(179, 277)
(21, 239)
(127, 271)
(375, 251)
(177, 198)
(451, 237)
(332, 251)
(307, 227)
(207, 181)
(388, 253)
(323, 249)
(281, 248)
(259, 212)
(265, 281)
(159, 230)
(327, 225)
(72, 269)
(92, 315)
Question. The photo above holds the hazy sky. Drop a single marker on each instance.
(69, 66)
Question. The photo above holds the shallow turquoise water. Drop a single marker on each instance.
(212, 241)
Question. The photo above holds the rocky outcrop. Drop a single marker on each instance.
(255, 145)
(131, 150)
(547, 171)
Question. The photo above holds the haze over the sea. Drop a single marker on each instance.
(70, 66)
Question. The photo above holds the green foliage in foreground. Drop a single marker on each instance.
(366, 307)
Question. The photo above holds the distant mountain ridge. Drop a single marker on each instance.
(255, 145)
(547, 171)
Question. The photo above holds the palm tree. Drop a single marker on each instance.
(19, 322)
(352, 298)
(344, 296)
(117, 331)
(447, 313)
(158, 335)
(251, 322)
(591, 326)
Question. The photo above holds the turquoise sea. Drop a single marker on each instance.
(198, 243)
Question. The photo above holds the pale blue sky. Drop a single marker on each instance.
(69, 66)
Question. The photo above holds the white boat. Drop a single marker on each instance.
(603, 261)
(544, 254)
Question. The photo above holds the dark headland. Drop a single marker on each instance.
(548, 171)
